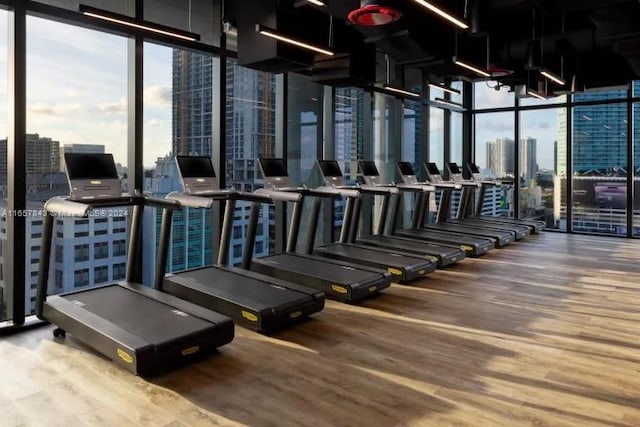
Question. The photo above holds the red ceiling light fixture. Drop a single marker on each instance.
(373, 13)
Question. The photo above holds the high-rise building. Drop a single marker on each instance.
(528, 159)
(501, 157)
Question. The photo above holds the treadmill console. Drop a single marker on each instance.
(331, 173)
(196, 174)
(92, 175)
(433, 173)
(475, 171)
(370, 172)
(407, 174)
(455, 174)
(275, 173)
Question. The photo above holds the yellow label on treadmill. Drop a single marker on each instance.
(466, 248)
(373, 288)
(432, 258)
(394, 271)
(249, 316)
(295, 314)
(421, 272)
(124, 356)
(339, 289)
(190, 350)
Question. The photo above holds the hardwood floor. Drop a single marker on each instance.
(543, 332)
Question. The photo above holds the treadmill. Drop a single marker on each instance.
(139, 328)
(472, 245)
(340, 280)
(252, 300)
(443, 254)
(500, 236)
(466, 193)
(404, 267)
(468, 211)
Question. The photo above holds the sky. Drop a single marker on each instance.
(77, 88)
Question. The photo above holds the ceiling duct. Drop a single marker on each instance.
(373, 13)
(268, 54)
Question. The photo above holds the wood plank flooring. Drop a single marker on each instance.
(543, 332)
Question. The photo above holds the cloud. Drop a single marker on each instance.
(46, 109)
(114, 107)
(154, 123)
(157, 96)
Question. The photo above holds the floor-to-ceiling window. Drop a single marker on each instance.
(178, 112)
(495, 156)
(6, 288)
(636, 159)
(599, 173)
(250, 134)
(543, 166)
(436, 138)
(305, 106)
(352, 138)
(76, 102)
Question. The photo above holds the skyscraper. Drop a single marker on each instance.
(500, 157)
(528, 159)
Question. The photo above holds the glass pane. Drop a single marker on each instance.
(434, 92)
(529, 100)
(386, 133)
(412, 131)
(542, 162)
(123, 7)
(411, 149)
(178, 102)
(455, 145)
(495, 156)
(201, 17)
(636, 88)
(251, 134)
(6, 288)
(76, 101)
(304, 129)
(352, 106)
(636, 163)
(599, 169)
(600, 94)
(436, 138)
(491, 94)
(304, 136)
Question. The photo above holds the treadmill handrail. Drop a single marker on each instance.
(377, 189)
(335, 192)
(424, 187)
(192, 201)
(266, 195)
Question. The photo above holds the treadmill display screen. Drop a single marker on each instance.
(273, 167)
(369, 168)
(473, 168)
(90, 166)
(406, 168)
(453, 167)
(195, 167)
(330, 168)
(432, 168)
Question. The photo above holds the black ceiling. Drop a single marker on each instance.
(595, 39)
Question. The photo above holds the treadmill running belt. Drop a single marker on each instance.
(321, 269)
(138, 314)
(248, 291)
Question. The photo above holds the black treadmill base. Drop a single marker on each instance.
(130, 351)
